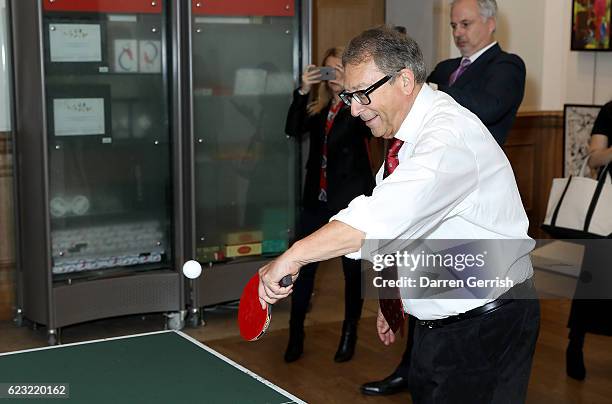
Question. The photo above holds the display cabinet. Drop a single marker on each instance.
(243, 176)
(98, 141)
(149, 133)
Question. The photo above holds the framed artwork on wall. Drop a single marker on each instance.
(591, 25)
(578, 122)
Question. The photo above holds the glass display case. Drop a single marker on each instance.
(244, 61)
(149, 133)
(108, 136)
(97, 133)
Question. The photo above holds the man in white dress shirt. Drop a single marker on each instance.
(490, 83)
(448, 179)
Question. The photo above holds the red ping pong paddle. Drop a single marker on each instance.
(253, 321)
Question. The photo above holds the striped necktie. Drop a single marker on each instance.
(465, 63)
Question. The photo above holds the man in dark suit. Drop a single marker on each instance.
(492, 83)
(487, 81)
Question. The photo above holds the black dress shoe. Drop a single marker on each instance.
(574, 361)
(390, 385)
(348, 339)
(295, 347)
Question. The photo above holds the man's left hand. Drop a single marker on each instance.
(385, 333)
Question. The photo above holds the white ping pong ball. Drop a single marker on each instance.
(192, 269)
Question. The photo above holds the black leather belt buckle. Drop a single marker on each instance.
(430, 323)
(477, 312)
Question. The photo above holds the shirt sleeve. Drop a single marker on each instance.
(422, 191)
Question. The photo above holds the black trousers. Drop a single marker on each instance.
(486, 359)
(591, 306)
(403, 369)
(311, 220)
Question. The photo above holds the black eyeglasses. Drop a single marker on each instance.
(361, 96)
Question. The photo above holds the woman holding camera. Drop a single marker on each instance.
(337, 170)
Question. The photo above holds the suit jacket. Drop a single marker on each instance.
(492, 88)
(348, 165)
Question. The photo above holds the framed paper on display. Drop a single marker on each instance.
(578, 122)
(78, 116)
(150, 56)
(126, 55)
(79, 111)
(75, 42)
(133, 56)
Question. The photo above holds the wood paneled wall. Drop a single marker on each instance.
(336, 22)
(7, 217)
(535, 150)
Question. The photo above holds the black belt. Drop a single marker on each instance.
(478, 311)
(522, 290)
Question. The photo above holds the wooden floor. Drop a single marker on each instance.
(317, 378)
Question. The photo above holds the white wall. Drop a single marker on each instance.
(417, 17)
(603, 78)
(520, 30)
(554, 51)
(539, 31)
(571, 77)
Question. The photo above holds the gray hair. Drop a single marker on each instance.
(486, 8)
(390, 50)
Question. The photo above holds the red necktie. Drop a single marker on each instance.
(457, 73)
(392, 308)
(391, 161)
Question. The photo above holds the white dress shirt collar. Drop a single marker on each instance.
(480, 52)
(411, 127)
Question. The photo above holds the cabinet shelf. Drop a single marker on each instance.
(61, 72)
(117, 216)
(110, 273)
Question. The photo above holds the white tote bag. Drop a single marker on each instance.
(580, 206)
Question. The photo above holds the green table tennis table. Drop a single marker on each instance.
(159, 367)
